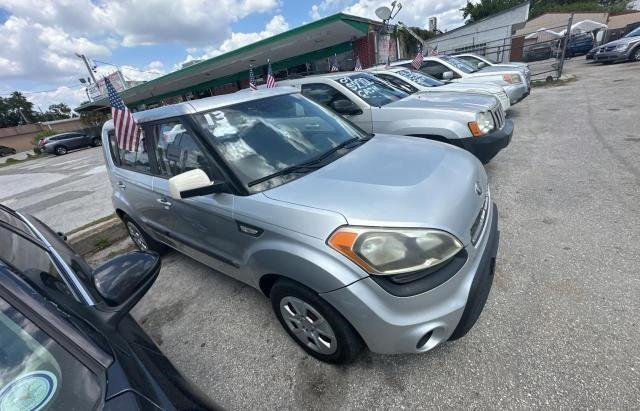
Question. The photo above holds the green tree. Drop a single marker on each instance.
(16, 110)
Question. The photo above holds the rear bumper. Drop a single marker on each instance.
(486, 147)
(393, 325)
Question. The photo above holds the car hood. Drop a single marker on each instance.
(623, 40)
(447, 101)
(396, 181)
(496, 69)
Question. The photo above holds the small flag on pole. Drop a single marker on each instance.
(334, 63)
(252, 79)
(271, 81)
(434, 51)
(126, 128)
(418, 59)
(358, 66)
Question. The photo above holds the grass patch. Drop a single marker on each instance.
(94, 222)
(101, 243)
(553, 83)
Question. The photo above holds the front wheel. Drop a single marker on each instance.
(314, 324)
(635, 55)
(60, 150)
(141, 239)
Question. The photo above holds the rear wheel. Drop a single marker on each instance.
(60, 150)
(96, 142)
(635, 54)
(141, 239)
(314, 324)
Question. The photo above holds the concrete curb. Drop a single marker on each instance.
(98, 236)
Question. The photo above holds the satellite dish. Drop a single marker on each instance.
(383, 13)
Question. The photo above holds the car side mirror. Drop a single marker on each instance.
(346, 107)
(124, 280)
(447, 75)
(482, 65)
(193, 183)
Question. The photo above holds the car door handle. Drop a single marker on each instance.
(121, 185)
(164, 202)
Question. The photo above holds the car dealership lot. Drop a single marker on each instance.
(560, 328)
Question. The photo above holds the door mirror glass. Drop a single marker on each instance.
(482, 65)
(346, 107)
(122, 281)
(193, 183)
(447, 75)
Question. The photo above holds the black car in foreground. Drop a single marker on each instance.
(6, 151)
(67, 340)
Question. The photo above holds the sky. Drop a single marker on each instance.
(39, 39)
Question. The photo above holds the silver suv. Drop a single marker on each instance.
(471, 121)
(382, 241)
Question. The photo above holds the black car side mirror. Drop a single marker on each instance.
(124, 280)
(346, 107)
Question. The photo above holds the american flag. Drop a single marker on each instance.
(271, 81)
(418, 59)
(434, 51)
(334, 63)
(127, 130)
(358, 66)
(252, 80)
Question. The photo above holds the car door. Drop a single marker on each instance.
(326, 94)
(201, 227)
(71, 141)
(132, 181)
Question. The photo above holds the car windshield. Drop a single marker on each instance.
(263, 137)
(373, 91)
(420, 78)
(633, 33)
(459, 64)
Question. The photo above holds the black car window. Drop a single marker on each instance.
(34, 263)
(396, 82)
(37, 373)
(14, 221)
(136, 159)
(436, 69)
(177, 151)
(322, 93)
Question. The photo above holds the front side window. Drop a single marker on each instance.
(33, 262)
(633, 33)
(459, 64)
(261, 137)
(375, 92)
(436, 69)
(136, 159)
(420, 78)
(177, 151)
(36, 373)
(322, 93)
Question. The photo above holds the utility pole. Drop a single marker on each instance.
(413, 33)
(86, 63)
(567, 37)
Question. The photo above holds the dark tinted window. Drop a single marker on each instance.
(14, 221)
(136, 159)
(36, 373)
(435, 69)
(322, 93)
(177, 151)
(33, 263)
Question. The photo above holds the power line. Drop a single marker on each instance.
(40, 91)
(128, 68)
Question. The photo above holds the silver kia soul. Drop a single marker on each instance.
(382, 241)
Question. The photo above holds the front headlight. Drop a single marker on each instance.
(388, 251)
(622, 47)
(512, 78)
(483, 124)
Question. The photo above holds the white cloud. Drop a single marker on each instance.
(72, 97)
(414, 12)
(276, 25)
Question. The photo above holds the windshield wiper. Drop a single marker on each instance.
(312, 164)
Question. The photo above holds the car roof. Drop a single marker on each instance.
(393, 69)
(210, 103)
(331, 76)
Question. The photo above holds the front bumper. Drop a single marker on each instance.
(517, 92)
(393, 325)
(610, 56)
(488, 146)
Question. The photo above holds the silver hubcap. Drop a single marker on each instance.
(638, 55)
(136, 236)
(309, 327)
(62, 150)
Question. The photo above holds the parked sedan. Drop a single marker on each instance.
(415, 81)
(484, 61)
(537, 52)
(67, 341)
(7, 151)
(358, 240)
(623, 49)
(61, 143)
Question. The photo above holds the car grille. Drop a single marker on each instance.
(498, 117)
(502, 96)
(480, 221)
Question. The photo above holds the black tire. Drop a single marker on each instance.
(635, 54)
(349, 343)
(60, 150)
(150, 243)
(96, 142)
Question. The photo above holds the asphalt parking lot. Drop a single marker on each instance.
(560, 329)
(65, 191)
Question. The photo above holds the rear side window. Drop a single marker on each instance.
(177, 151)
(137, 159)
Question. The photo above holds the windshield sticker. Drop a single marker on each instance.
(219, 124)
(363, 87)
(29, 392)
